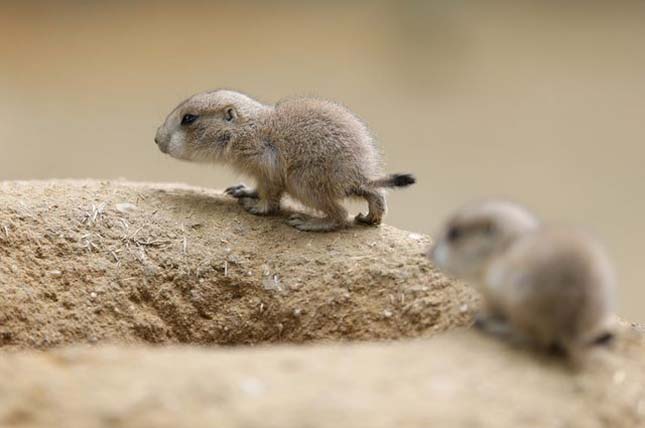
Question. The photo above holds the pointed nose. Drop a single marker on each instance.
(160, 141)
(157, 136)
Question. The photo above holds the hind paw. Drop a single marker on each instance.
(367, 220)
(296, 220)
(311, 224)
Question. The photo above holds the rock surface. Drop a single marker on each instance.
(95, 276)
(459, 379)
(89, 261)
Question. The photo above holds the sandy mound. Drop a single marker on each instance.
(87, 262)
(102, 261)
(456, 380)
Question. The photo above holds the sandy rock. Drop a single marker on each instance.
(190, 266)
(460, 379)
(94, 287)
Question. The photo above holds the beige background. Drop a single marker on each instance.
(538, 101)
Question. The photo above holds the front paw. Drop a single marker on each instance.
(241, 191)
(492, 324)
(256, 206)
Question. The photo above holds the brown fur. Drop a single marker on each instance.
(314, 150)
(551, 286)
(556, 287)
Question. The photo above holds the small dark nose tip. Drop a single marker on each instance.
(156, 140)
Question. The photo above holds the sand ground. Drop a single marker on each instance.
(147, 305)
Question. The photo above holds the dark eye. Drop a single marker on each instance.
(229, 115)
(454, 233)
(188, 119)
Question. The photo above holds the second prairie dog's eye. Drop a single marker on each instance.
(188, 119)
(453, 234)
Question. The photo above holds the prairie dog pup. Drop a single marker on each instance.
(476, 233)
(315, 150)
(553, 286)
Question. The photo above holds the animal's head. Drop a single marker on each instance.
(204, 127)
(474, 234)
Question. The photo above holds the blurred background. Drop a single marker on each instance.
(539, 101)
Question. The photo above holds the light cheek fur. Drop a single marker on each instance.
(176, 147)
(450, 259)
(196, 145)
(440, 256)
(466, 260)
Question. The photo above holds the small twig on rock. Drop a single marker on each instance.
(135, 233)
(148, 243)
(124, 224)
(116, 258)
(88, 243)
(93, 214)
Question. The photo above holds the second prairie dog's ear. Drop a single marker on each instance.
(230, 114)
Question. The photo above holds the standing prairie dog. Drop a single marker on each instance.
(553, 286)
(314, 150)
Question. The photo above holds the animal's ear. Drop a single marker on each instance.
(230, 114)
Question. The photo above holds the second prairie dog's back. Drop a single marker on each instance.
(556, 285)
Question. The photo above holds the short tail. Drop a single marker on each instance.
(394, 180)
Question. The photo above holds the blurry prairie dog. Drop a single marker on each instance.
(314, 150)
(552, 286)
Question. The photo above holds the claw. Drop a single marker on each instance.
(296, 219)
(312, 224)
(365, 219)
(233, 189)
(360, 218)
(240, 191)
(316, 226)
